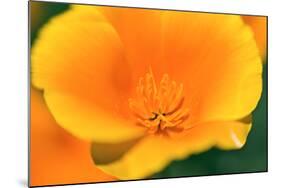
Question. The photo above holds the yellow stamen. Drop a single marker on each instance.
(159, 108)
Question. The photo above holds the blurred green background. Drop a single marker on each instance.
(251, 158)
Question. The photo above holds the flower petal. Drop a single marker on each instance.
(153, 153)
(140, 32)
(259, 27)
(216, 58)
(54, 153)
(86, 122)
(79, 62)
(229, 135)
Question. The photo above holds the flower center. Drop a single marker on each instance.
(159, 107)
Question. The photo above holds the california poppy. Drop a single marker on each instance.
(146, 87)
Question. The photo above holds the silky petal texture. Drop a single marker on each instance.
(153, 153)
(196, 49)
(86, 122)
(56, 157)
(259, 27)
(140, 33)
(217, 60)
(79, 62)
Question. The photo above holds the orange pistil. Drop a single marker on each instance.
(159, 108)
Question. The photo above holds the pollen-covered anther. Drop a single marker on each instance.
(159, 107)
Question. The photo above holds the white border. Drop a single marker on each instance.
(13, 93)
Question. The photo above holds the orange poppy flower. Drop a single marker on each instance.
(56, 156)
(148, 86)
(258, 25)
